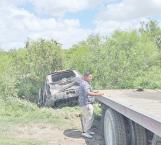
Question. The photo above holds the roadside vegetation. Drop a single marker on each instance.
(130, 59)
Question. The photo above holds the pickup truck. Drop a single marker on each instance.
(59, 87)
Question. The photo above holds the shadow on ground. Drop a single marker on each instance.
(73, 133)
(97, 138)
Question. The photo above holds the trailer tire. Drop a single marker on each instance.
(156, 140)
(138, 134)
(103, 108)
(114, 128)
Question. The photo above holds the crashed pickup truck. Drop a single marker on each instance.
(59, 87)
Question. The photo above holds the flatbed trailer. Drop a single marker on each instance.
(131, 117)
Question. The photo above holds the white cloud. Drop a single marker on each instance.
(59, 7)
(131, 9)
(108, 27)
(53, 7)
(126, 15)
(17, 24)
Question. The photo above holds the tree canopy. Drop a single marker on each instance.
(125, 59)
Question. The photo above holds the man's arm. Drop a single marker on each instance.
(95, 94)
(89, 92)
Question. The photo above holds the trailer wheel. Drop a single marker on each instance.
(114, 128)
(156, 140)
(103, 108)
(137, 134)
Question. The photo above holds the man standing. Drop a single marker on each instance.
(85, 100)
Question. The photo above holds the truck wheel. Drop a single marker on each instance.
(40, 98)
(137, 134)
(156, 140)
(114, 128)
(49, 102)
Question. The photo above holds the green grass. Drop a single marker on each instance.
(21, 111)
(97, 111)
(15, 113)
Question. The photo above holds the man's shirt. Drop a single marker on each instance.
(84, 89)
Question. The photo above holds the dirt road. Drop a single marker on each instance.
(51, 135)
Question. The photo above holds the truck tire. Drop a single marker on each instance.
(49, 102)
(114, 128)
(156, 140)
(40, 98)
(137, 134)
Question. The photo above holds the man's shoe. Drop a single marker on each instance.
(87, 135)
(91, 132)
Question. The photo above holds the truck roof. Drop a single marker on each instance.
(143, 107)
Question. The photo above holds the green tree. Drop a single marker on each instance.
(33, 63)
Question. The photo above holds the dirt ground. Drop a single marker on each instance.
(54, 135)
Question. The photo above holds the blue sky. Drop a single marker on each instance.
(85, 17)
(70, 21)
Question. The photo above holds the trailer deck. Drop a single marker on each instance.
(143, 107)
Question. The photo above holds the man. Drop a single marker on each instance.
(85, 100)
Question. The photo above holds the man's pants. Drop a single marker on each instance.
(86, 117)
